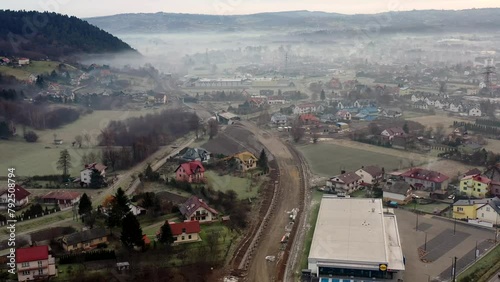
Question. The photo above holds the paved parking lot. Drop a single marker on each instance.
(443, 244)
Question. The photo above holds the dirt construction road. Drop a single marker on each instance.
(289, 197)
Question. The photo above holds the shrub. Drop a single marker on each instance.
(31, 136)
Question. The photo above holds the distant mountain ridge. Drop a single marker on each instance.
(407, 21)
(38, 35)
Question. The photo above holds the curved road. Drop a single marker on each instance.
(290, 189)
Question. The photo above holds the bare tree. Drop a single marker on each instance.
(297, 131)
(213, 128)
(439, 133)
(87, 138)
(78, 140)
(264, 118)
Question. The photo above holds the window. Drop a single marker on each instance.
(189, 237)
(26, 273)
(465, 188)
(40, 272)
(482, 214)
(460, 209)
(39, 263)
(183, 230)
(25, 264)
(182, 238)
(175, 238)
(479, 190)
(487, 209)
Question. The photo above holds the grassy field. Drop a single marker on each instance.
(330, 159)
(35, 67)
(35, 159)
(313, 216)
(242, 186)
(410, 114)
(434, 120)
(484, 269)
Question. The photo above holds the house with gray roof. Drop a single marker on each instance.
(196, 154)
(85, 240)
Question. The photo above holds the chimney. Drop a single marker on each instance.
(342, 172)
(373, 209)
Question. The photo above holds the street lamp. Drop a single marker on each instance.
(425, 244)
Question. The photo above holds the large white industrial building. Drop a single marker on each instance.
(355, 240)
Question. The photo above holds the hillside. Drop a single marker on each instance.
(430, 21)
(39, 35)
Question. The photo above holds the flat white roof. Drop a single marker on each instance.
(353, 231)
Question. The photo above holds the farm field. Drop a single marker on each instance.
(242, 186)
(434, 120)
(35, 67)
(327, 159)
(40, 158)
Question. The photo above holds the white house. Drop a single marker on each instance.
(490, 212)
(307, 108)
(279, 119)
(136, 210)
(455, 107)
(23, 61)
(195, 209)
(20, 197)
(344, 115)
(344, 183)
(370, 174)
(85, 175)
(440, 104)
(389, 133)
(276, 100)
(475, 112)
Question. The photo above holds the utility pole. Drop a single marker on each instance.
(476, 253)
(454, 226)
(416, 224)
(425, 244)
(454, 270)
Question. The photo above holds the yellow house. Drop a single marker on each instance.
(405, 91)
(246, 160)
(467, 209)
(475, 186)
(87, 239)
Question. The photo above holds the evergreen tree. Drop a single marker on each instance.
(85, 205)
(96, 180)
(166, 236)
(64, 162)
(131, 232)
(119, 208)
(322, 95)
(262, 161)
(406, 129)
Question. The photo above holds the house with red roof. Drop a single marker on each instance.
(423, 179)
(64, 198)
(185, 232)
(309, 119)
(197, 209)
(476, 185)
(20, 197)
(35, 263)
(392, 132)
(192, 172)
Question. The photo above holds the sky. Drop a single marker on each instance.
(92, 8)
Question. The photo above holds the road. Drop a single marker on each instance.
(289, 196)
(495, 278)
(157, 160)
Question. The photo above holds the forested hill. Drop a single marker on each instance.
(38, 35)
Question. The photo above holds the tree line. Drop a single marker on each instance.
(36, 34)
(488, 122)
(477, 127)
(139, 137)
